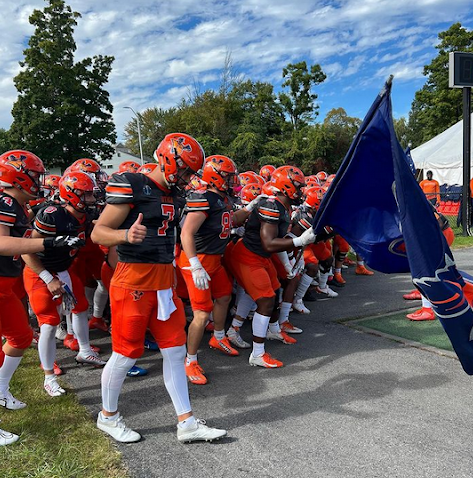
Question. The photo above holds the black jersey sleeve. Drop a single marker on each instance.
(268, 211)
(197, 201)
(7, 211)
(121, 188)
(45, 221)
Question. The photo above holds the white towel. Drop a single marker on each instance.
(166, 305)
(65, 278)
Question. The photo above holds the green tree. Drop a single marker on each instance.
(436, 106)
(5, 142)
(299, 102)
(63, 111)
(341, 128)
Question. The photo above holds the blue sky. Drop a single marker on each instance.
(163, 49)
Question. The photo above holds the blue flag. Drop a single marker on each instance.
(360, 204)
(389, 202)
(410, 161)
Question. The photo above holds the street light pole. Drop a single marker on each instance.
(139, 131)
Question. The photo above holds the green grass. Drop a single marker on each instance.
(426, 332)
(58, 437)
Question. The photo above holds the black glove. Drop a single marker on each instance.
(63, 241)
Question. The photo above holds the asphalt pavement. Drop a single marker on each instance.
(346, 404)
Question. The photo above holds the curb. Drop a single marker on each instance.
(355, 324)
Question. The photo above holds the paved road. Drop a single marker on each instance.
(346, 404)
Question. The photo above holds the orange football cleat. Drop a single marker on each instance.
(413, 295)
(363, 271)
(195, 374)
(265, 361)
(98, 323)
(422, 314)
(338, 277)
(223, 345)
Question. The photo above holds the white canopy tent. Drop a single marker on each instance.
(443, 155)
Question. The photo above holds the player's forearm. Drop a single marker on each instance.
(239, 217)
(188, 243)
(33, 262)
(108, 237)
(278, 245)
(11, 246)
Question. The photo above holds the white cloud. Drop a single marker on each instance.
(161, 49)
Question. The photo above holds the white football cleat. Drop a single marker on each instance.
(327, 291)
(290, 328)
(199, 432)
(234, 337)
(52, 387)
(8, 401)
(117, 429)
(298, 306)
(90, 359)
(61, 332)
(6, 438)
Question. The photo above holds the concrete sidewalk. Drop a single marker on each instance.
(346, 404)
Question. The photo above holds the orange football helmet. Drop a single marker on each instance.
(313, 197)
(220, 172)
(288, 180)
(129, 167)
(321, 176)
(76, 188)
(266, 171)
(21, 170)
(176, 153)
(249, 192)
(147, 168)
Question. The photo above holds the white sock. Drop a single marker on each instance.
(260, 325)
(426, 303)
(100, 299)
(113, 417)
(258, 349)
(219, 334)
(10, 364)
(303, 286)
(47, 346)
(175, 379)
(323, 278)
(360, 263)
(187, 423)
(283, 312)
(237, 323)
(245, 304)
(80, 324)
(274, 327)
(113, 376)
(191, 358)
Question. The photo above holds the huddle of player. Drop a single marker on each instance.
(183, 228)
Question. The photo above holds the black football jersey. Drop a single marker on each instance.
(58, 221)
(303, 218)
(13, 216)
(214, 234)
(271, 211)
(160, 210)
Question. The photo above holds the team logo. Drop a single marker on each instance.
(178, 146)
(50, 209)
(398, 247)
(15, 161)
(147, 190)
(137, 294)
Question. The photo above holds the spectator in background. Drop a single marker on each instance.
(431, 189)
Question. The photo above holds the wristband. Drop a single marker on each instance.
(46, 276)
(297, 241)
(194, 262)
(126, 235)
